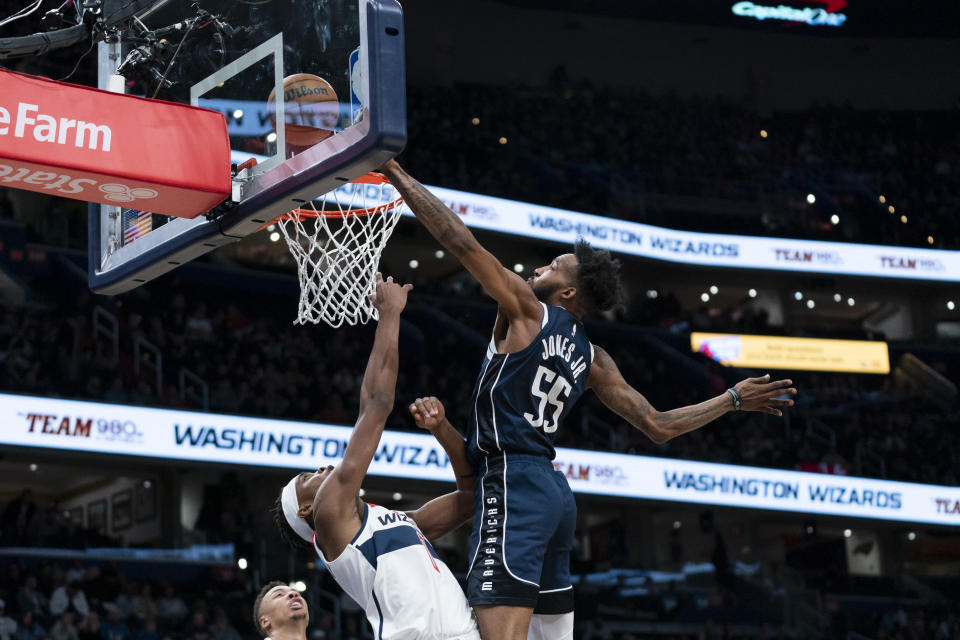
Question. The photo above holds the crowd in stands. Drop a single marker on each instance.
(70, 600)
(62, 599)
(627, 154)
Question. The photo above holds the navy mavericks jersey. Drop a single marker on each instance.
(521, 398)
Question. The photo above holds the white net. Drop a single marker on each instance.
(337, 250)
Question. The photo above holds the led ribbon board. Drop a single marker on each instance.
(690, 247)
(801, 354)
(89, 427)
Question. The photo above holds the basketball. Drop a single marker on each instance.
(311, 109)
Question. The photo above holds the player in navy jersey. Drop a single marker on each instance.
(538, 364)
(380, 557)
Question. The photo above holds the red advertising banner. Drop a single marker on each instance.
(83, 143)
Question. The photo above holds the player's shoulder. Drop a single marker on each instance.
(555, 313)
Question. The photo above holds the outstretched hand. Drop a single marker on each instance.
(390, 297)
(759, 394)
(428, 413)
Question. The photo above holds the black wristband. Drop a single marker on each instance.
(737, 400)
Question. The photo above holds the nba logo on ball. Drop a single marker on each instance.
(311, 109)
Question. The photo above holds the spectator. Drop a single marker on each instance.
(145, 606)
(17, 517)
(69, 597)
(114, 628)
(148, 631)
(197, 628)
(29, 628)
(126, 602)
(76, 573)
(90, 629)
(221, 629)
(8, 626)
(171, 609)
(64, 628)
(29, 599)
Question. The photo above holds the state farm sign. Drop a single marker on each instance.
(97, 146)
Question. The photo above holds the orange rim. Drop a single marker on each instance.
(369, 178)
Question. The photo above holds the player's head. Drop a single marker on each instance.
(280, 607)
(582, 282)
(293, 509)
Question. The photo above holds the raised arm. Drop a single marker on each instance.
(756, 394)
(339, 492)
(511, 292)
(444, 514)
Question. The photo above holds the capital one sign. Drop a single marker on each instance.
(83, 143)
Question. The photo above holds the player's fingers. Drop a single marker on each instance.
(431, 405)
(762, 379)
(781, 402)
(408, 287)
(779, 384)
(772, 411)
(390, 279)
(379, 277)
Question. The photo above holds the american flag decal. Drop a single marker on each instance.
(136, 224)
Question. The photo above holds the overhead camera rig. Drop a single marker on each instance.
(92, 20)
(97, 20)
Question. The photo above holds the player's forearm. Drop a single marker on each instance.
(380, 379)
(676, 422)
(442, 515)
(452, 442)
(442, 223)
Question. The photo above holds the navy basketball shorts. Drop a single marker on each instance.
(522, 536)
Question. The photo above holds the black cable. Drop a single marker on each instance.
(93, 43)
(23, 13)
(174, 57)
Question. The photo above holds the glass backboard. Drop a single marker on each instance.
(313, 95)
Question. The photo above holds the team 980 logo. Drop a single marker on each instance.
(596, 473)
(111, 429)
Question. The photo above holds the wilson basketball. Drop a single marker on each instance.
(311, 109)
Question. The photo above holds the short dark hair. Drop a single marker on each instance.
(598, 278)
(259, 601)
(286, 531)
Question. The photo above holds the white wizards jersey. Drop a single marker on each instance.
(407, 592)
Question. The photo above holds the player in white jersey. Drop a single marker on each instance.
(380, 557)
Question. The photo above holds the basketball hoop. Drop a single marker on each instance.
(337, 248)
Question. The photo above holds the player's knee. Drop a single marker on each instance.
(545, 626)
